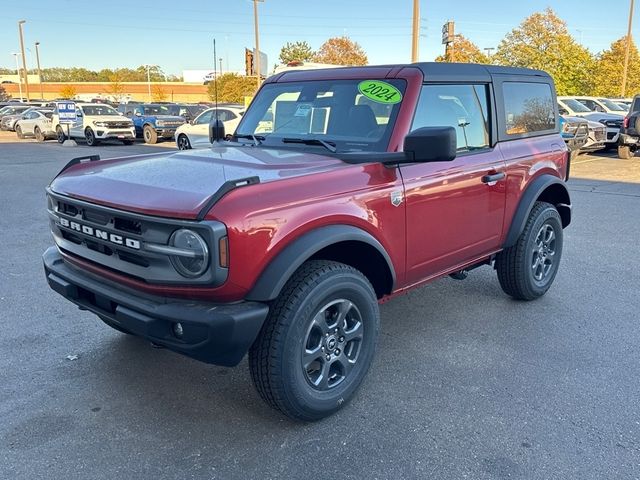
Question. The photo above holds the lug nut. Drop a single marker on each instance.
(341, 339)
(337, 351)
(323, 349)
(335, 331)
(328, 357)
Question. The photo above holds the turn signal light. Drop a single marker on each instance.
(223, 252)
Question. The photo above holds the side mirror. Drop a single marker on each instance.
(216, 130)
(431, 144)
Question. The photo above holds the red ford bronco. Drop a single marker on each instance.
(339, 190)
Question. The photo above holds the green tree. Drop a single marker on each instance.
(341, 51)
(543, 41)
(232, 88)
(296, 52)
(608, 72)
(68, 92)
(464, 51)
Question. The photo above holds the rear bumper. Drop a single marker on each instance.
(213, 333)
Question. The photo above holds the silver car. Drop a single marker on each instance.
(36, 123)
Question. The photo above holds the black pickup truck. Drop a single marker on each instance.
(629, 141)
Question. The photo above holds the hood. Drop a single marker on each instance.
(570, 119)
(178, 185)
(597, 116)
(168, 118)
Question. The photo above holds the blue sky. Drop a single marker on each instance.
(178, 35)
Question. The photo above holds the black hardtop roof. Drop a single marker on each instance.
(432, 71)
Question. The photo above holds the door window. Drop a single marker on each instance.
(529, 107)
(463, 107)
(204, 118)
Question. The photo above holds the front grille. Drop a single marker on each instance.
(613, 123)
(118, 125)
(116, 240)
(611, 135)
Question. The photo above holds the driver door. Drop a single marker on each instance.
(76, 128)
(199, 131)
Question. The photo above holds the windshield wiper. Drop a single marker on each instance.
(257, 139)
(312, 141)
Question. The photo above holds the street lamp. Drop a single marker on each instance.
(256, 57)
(149, 80)
(39, 70)
(18, 72)
(24, 58)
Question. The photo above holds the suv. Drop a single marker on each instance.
(195, 134)
(152, 120)
(95, 122)
(576, 108)
(370, 181)
(630, 133)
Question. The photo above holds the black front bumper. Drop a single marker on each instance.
(213, 333)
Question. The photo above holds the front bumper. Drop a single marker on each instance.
(166, 132)
(103, 133)
(213, 333)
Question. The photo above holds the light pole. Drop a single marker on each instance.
(220, 59)
(39, 70)
(625, 70)
(256, 56)
(149, 80)
(489, 54)
(416, 31)
(24, 58)
(18, 72)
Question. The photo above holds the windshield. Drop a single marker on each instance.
(352, 115)
(575, 105)
(611, 105)
(157, 110)
(98, 110)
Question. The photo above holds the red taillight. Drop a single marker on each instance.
(625, 122)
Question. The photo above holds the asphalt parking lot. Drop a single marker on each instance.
(467, 383)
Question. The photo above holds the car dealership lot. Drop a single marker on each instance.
(466, 381)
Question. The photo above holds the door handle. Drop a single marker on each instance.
(493, 177)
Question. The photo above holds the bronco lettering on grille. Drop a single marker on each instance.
(101, 234)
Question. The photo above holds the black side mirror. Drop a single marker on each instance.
(431, 144)
(216, 130)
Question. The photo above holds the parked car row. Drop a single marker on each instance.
(95, 122)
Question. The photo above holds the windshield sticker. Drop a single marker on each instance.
(380, 92)
(303, 110)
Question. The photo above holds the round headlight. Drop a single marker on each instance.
(192, 265)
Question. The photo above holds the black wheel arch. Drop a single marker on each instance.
(343, 243)
(545, 188)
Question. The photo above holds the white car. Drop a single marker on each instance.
(96, 122)
(600, 104)
(613, 122)
(196, 133)
(36, 123)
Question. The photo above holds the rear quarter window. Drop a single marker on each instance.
(529, 108)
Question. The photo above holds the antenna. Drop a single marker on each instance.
(215, 78)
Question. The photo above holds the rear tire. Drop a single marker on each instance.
(90, 137)
(317, 342)
(38, 134)
(527, 269)
(183, 142)
(149, 134)
(60, 136)
(625, 152)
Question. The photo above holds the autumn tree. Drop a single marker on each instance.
(3, 94)
(607, 78)
(68, 92)
(296, 52)
(341, 51)
(542, 41)
(464, 51)
(158, 93)
(115, 88)
(232, 88)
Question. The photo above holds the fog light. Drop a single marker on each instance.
(177, 330)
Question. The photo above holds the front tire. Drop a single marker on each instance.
(38, 134)
(317, 342)
(60, 136)
(90, 137)
(625, 152)
(527, 269)
(149, 134)
(183, 142)
(19, 132)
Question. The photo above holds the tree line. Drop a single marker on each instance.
(139, 74)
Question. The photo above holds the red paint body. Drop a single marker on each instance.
(448, 219)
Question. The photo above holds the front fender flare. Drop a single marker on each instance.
(273, 278)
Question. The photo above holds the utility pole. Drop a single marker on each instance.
(416, 31)
(489, 54)
(256, 59)
(18, 72)
(39, 69)
(24, 58)
(625, 70)
(149, 80)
